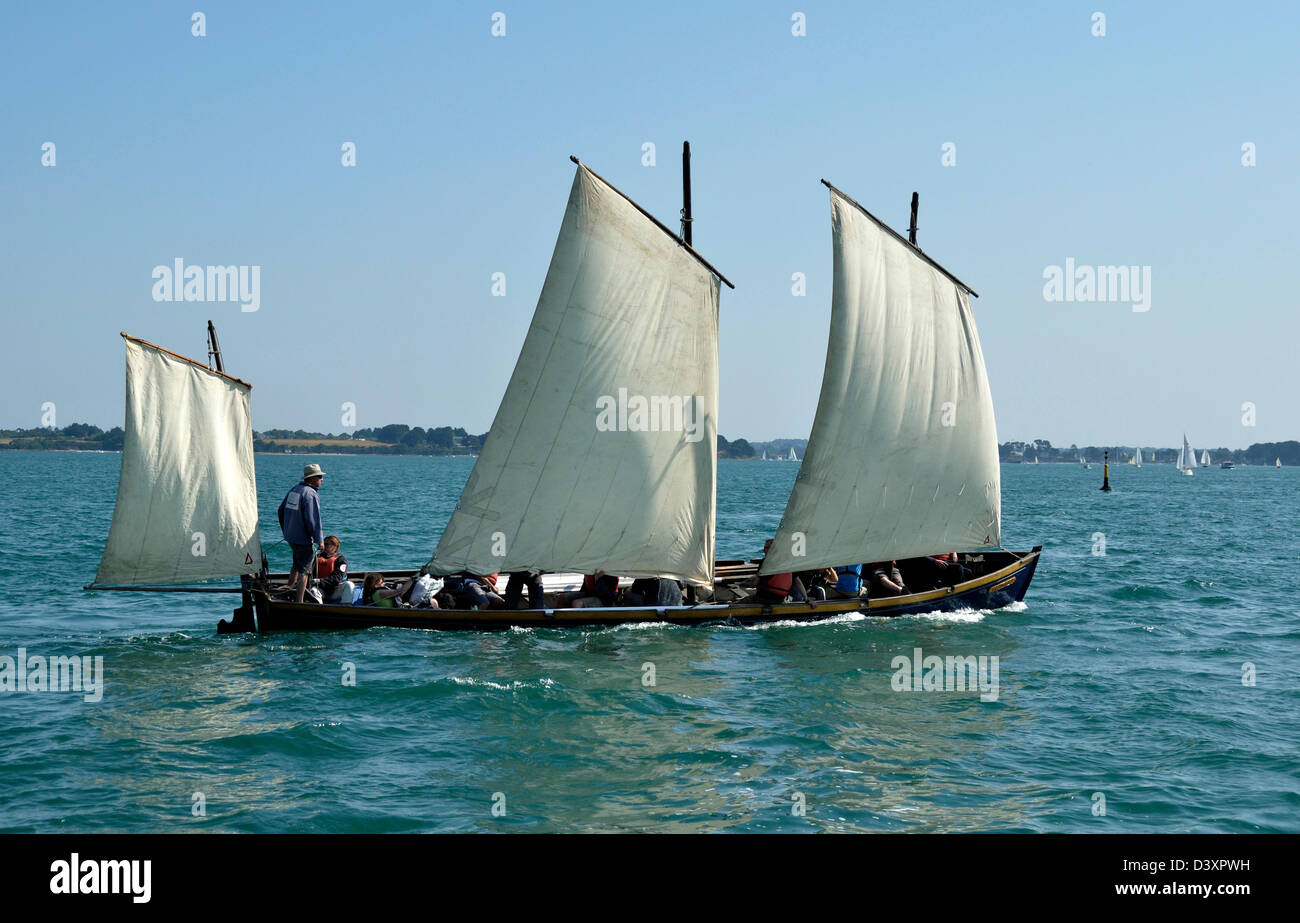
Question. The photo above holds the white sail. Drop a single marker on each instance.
(903, 456)
(1205, 458)
(793, 457)
(1277, 462)
(1138, 456)
(603, 453)
(187, 495)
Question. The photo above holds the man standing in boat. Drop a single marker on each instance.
(300, 523)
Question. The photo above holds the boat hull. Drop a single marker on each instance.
(998, 588)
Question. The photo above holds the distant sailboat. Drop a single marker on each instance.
(765, 455)
(1205, 458)
(1035, 459)
(1136, 460)
(1083, 461)
(1277, 462)
(792, 456)
(1186, 457)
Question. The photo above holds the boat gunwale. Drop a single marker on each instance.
(700, 613)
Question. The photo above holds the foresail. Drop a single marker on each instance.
(903, 458)
(603, 453)
(186, 497)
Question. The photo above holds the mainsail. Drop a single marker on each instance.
(186, 496)
(903, 456)
(603, 453)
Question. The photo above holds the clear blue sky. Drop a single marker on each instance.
(225, 149)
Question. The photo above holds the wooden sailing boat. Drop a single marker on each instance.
(642, 503)
(629, 310)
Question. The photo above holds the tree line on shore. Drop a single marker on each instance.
(392, 439)
(400, 439)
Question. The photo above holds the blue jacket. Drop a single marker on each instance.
(850, 578)
(300, 516)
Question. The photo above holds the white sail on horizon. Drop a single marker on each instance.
(626, 313)
(186, 505)
(903, 457)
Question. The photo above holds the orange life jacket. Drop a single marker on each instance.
(776, 584)
(325, 566)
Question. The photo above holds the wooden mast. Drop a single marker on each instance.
(686, 193)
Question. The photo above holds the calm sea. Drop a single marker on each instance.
(1120, 681)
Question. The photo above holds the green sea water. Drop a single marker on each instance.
(1120, 681)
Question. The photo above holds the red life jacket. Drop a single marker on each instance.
(325, 566)
(605, 587)
(776, 584)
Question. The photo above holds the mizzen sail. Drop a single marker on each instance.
(903, 458)
(603, 453)
(186, 496)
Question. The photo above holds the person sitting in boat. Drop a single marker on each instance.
(652, 592)
(332, 573)
(848, 582)
(478, 592)
(780, 588)
(300, 523)
(815, 582)
(376, 592)
(886, 580)
(945, 570)
(598, 589)
(522, 580)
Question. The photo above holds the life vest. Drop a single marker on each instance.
(605, 587)
(776, 584)
(325, 566)
(385, 603)
(850, 578)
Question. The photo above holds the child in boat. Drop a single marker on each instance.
(332, 573)
(376, 592)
